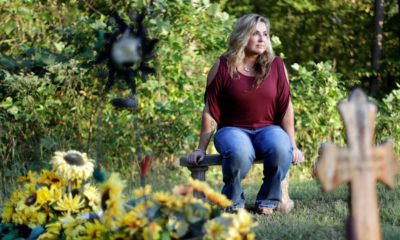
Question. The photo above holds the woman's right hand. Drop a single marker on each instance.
(196, 157)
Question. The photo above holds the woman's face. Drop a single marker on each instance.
(257, 43)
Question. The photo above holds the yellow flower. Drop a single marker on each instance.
(50, 178)
(182, 190)
(69, 204)
(112, 201)
(52, 231)
(250, 236)
(30, 178)
(92, 195)
(72, 165)
(215, 197)
(219, 199)
(215, 230)
(44, 196)
(244, 221)
(140, 192)
(28, 215)
(152, 231)
(7, 213)
(135, 219)
(164, 199)
(200, 186)
(94, 231)
(17, 195)
(73, 227)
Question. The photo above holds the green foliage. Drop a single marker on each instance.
(388, 119)
(51, 94)
(189, 45)
(340, 31)
(316, 91)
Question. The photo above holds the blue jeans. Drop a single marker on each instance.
(240, 147)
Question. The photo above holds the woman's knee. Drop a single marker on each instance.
(232, 142)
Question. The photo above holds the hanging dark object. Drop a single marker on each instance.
(126, 51)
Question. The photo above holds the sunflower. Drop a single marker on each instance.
(44, 196)
(30, 178)
(215, 230)
(243, 221)
(135, 219)
(53, 231)
(200, 186)
(219, 199)
(8, 211)
(72, 165)
(69, 204)
(250, 236)
(183, 190)
(73, 227)
(92, 195)
(164, 199)
(152, 231)
(94, 230)
(28, 215)
(112, 201)
(141, 192)
(49, 179)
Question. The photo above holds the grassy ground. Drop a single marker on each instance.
(317, 215)
(322, 216)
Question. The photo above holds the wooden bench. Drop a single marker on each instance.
(199, 172)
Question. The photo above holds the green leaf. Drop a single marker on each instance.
(13, 110)
(9, 27)
(7, 103)
(59, 46)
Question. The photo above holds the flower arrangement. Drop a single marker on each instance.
(62, 204)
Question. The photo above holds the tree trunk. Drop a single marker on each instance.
(377, 46)
(398, 17)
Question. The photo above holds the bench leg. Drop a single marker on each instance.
(198, 173)
(286, 205)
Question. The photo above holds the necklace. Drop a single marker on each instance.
(248, 68)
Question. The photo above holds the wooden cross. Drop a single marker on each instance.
(361, 164)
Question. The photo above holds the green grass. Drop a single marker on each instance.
(319, 215)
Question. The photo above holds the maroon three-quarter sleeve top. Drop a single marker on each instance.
(234, 102)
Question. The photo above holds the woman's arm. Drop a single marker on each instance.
(288, 125)
(208, 124)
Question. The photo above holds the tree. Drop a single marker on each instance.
(377, 46)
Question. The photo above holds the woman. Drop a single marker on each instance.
(248, 99)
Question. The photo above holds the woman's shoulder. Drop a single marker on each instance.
(219, 65)
(277, 60)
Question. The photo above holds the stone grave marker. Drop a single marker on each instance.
(361, 164)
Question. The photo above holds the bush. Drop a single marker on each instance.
(316, 92)
(388, 119)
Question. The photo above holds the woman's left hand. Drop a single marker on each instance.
(298, 156)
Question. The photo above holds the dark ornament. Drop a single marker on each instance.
(127, 51)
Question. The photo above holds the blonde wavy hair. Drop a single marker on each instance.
(244, 28)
